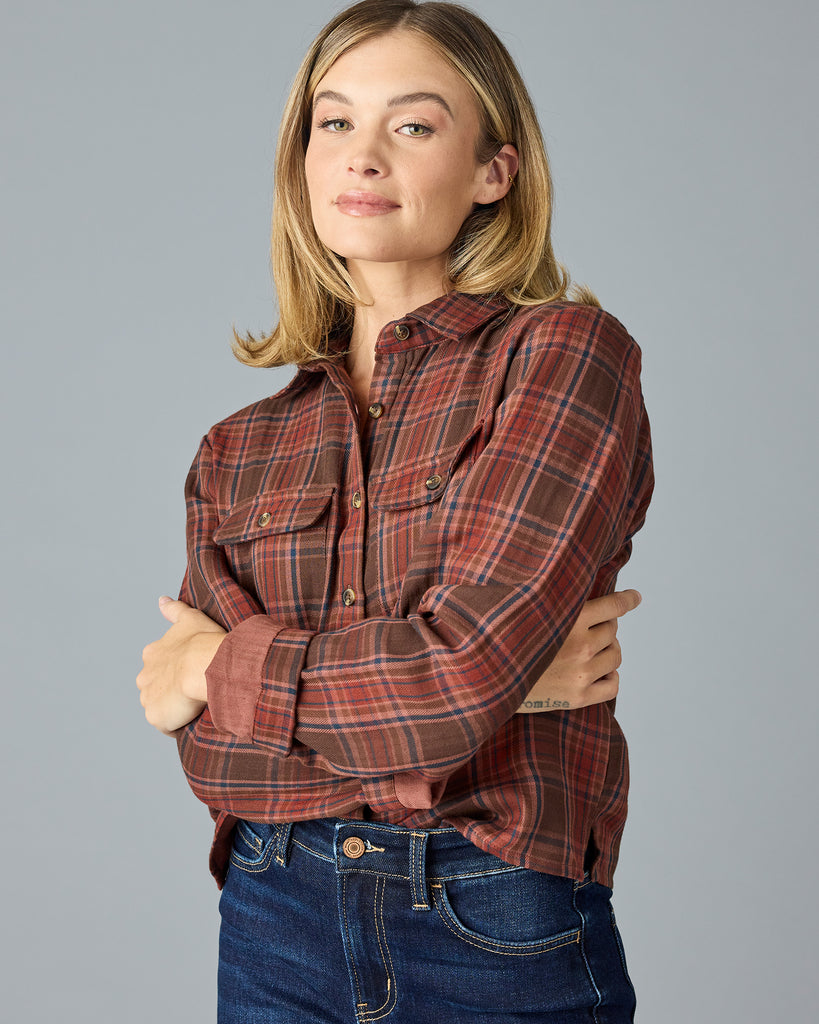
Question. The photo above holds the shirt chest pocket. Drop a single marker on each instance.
(276, 545)
(408, 547)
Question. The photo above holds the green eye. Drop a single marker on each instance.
(416, 130)
(335, 124)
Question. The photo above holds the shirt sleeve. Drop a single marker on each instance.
(498, 577)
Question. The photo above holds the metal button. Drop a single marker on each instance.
(264, 518)
(348, 597)
(434, 482)
(353, 847)
(401, 331)
(357, 499)
(375, 410)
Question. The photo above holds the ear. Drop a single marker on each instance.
(495, 178)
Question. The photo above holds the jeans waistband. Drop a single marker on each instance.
(416, 855)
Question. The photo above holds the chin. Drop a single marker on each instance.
(378, 254)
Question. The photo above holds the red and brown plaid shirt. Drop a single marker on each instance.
(394, 588)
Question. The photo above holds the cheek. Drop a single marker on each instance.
(452, 189)
(451, 205)
(310, 178)
(315, 192)
(314, 170)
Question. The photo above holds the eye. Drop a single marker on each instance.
(335, 124)
(416, 129)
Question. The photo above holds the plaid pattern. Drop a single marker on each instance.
(393, 590)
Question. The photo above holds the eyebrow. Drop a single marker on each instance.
(397, 101)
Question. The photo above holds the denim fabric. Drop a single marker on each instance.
(351, 922)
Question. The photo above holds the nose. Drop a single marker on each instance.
(365, 172)
(367, 158)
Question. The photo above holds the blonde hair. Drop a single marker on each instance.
(503, 248)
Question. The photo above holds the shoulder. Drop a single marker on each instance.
(261, 416)
(240, 452)
(571, 351)
(574, 329)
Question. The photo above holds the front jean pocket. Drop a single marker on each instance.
(254, 846)
(519, 911)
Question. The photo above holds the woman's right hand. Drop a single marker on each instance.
(584, 670)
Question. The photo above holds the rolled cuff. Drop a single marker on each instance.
(253, 682)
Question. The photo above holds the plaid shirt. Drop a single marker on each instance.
(393, 588)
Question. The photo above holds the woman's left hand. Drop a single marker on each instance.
(172, 684)
(584, 671)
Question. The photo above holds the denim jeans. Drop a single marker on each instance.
(353, 922)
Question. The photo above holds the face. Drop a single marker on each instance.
(390, 165)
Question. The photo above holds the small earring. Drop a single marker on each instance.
(511, 179)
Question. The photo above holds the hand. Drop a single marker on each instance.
(584, 670)
(172, 684)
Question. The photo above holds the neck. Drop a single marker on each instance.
(389, 291)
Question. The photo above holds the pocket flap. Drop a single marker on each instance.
(409, 486)
(274, 512)
(419, 483)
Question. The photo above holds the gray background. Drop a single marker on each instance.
(137, 146)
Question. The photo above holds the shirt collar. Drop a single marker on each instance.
(449, 316)
(456, 314)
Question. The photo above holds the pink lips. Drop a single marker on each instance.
(364, 204)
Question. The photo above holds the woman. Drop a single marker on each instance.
(386, 558)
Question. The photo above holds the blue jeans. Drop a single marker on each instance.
(353, 922)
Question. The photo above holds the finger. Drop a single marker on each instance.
(171, 609)
(602, 635)
(612, 606)
(603, 664)
(626, 601)
(606, 688)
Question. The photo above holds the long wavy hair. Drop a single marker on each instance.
(502, 248)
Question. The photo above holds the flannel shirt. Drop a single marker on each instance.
(394, 584)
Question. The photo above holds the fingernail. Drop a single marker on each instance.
(164, 600)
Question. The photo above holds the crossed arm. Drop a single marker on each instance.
(173, 681)
(578, 488)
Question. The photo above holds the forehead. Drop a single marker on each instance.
(400, 63)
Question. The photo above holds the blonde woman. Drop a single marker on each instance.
(381, 673)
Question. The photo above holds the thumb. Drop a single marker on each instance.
(170, 609)
(627, 600)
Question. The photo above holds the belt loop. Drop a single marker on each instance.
(418, 871)
(283, 831)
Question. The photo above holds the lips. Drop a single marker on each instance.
(364, 204)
